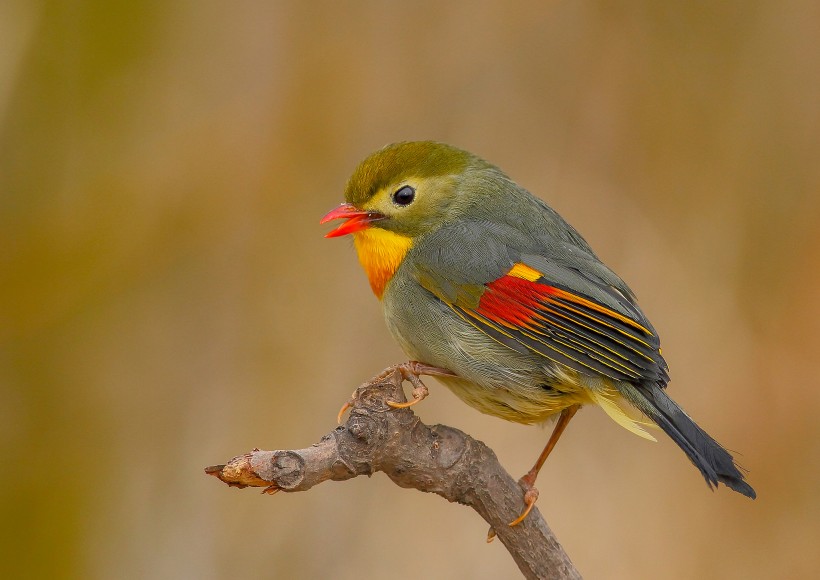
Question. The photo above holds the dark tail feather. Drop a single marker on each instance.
(713, 461)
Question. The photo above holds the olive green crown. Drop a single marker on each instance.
(400, 161)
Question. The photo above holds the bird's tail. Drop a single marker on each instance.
(713, 461)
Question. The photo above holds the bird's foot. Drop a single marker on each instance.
(420, 392)
(412, 371)
(530, 497)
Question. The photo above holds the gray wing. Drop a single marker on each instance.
(572, 310)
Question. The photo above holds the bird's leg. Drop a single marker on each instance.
(528, 481)
(411, 371)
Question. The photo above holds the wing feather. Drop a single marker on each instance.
(524, 309)
(528, 287)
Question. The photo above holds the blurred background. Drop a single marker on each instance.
(167, 299)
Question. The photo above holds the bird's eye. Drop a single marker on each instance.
(404, 195)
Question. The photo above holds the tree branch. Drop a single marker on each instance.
(437, 459)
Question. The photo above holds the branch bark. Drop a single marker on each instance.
(437, 459)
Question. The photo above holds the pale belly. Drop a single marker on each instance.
(493, 378)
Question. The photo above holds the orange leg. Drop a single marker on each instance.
(528, 481)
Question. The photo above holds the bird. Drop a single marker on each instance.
(490, 290)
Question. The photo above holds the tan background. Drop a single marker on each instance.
(167, 299)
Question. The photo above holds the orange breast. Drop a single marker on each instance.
(380, 253)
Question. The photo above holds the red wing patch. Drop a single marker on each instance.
(522, 309)
(513, 302)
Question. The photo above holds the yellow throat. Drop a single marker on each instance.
(380, 254)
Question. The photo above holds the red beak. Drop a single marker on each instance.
(357, 220)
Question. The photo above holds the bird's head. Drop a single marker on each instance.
(397, 195)
(406, 188)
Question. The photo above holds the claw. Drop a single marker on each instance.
(344, 408)
(271, 489)
(396, 405)
(490, 535)
(420, 392)
(530, 497)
